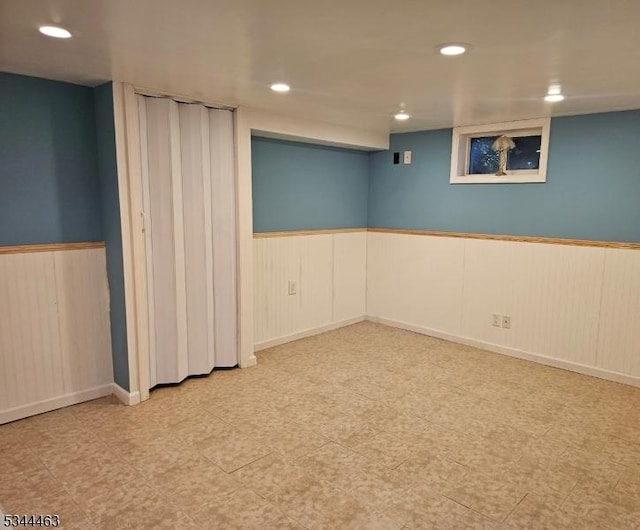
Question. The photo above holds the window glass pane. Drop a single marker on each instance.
(526, 153)
(482, 159)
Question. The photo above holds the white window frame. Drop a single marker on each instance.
(462, 142)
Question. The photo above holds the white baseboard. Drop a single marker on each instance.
(249, 362)
(128, 398)
(513, 352)
(307, 333)
(47, 405)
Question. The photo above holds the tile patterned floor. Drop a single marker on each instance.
(366, 427)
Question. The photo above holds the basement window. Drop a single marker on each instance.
(476, 158)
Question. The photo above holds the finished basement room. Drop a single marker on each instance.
(290, 265)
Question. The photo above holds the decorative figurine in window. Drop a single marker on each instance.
(502, 145)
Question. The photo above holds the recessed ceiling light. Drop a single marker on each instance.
(54, 31)
(452, 49)
(402, 116)
(554, 94)
(280, 87)
(553, 98)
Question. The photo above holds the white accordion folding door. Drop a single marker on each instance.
(188, 188)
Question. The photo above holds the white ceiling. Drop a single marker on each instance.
(350, 62)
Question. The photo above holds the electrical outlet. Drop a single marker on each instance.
(293, 287)
(506, 322)
(496, 320)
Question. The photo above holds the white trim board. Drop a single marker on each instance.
(47, 405)
(128, 398)
(250, 361)
(73, 398)
(307, 333)
(513, 352)
(132, 224)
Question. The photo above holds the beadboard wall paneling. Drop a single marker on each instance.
(83, 302)
(416, 279)
(29, 333)
(570, 306)
(349, 275)
(329, 270)
(55, 347)
(307, 260)
(551, 293)
(619, 329)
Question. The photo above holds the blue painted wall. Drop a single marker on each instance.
(108, 175)
(592, 189)
(298, 186)
(49, 189)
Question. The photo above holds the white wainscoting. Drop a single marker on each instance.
(619, 329)
(55, 346)
(573, 307)
(330, 272)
